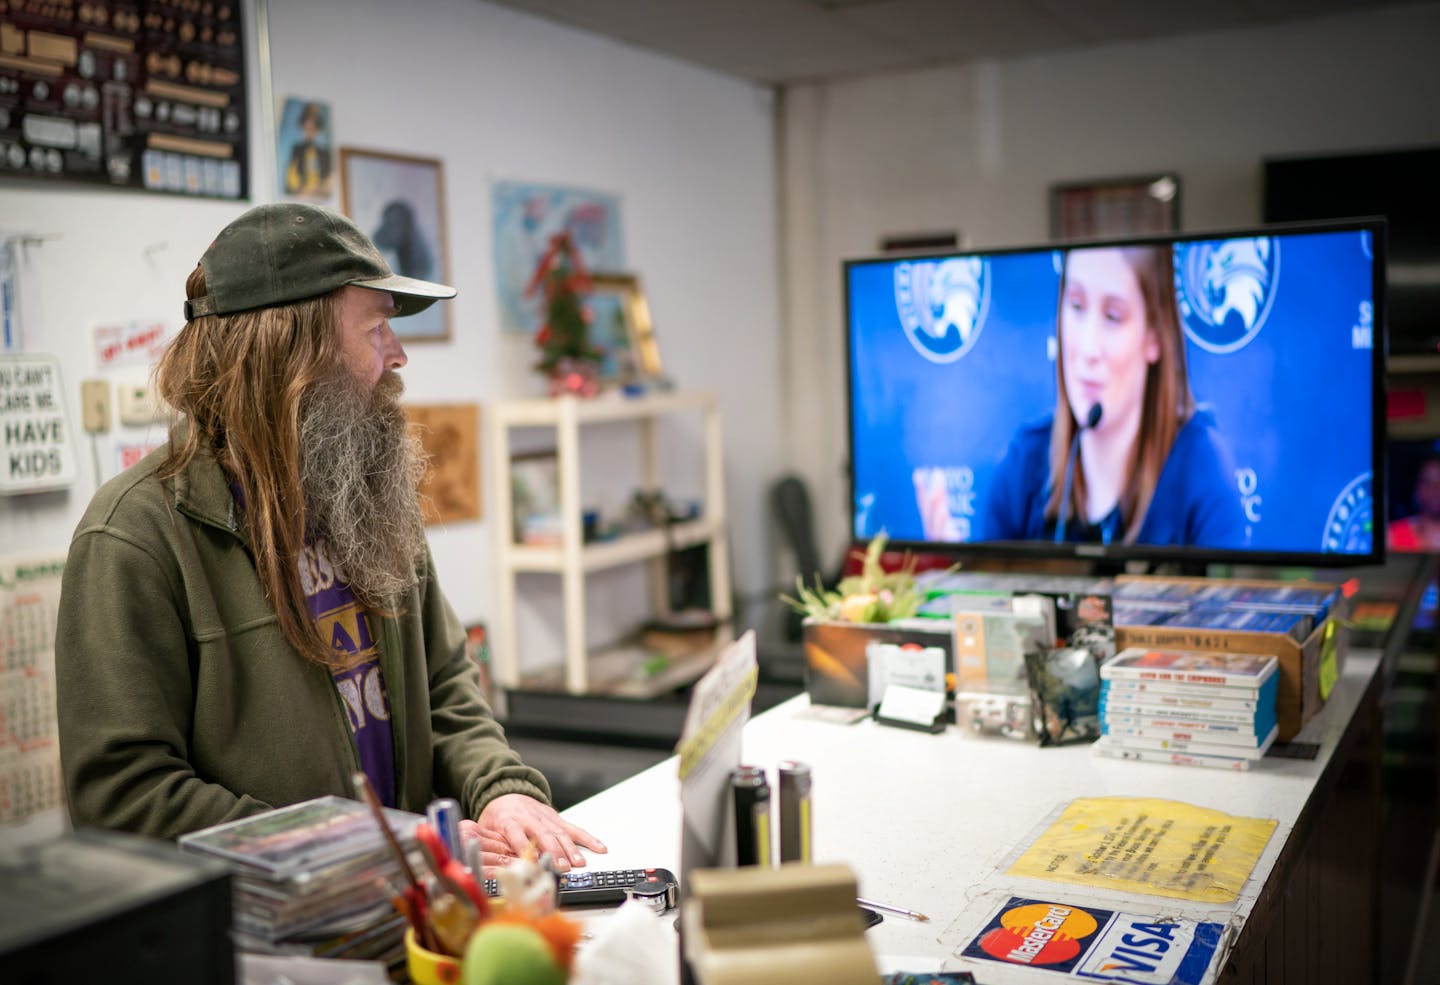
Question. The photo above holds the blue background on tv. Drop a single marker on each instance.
(1294, 404)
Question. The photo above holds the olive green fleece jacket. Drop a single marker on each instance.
(181, 705)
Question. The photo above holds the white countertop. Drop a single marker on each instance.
(930, 822)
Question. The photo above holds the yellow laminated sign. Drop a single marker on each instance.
(1142, 845)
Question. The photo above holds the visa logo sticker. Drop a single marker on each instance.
(1146, 950)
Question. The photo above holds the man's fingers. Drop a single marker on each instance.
(515, 836)
(489, 844)
(557, 842)
(493, 862)
(582, 837)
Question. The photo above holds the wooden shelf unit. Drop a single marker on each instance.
(572, 559)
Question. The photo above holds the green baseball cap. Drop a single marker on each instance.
(286, 252)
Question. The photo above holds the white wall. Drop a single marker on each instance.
(976, 148)
(499, 95)
(495, 95)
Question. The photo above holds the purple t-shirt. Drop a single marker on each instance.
(350, 630)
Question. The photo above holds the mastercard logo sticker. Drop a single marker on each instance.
(1036, 933)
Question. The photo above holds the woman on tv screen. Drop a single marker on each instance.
(1127, 456)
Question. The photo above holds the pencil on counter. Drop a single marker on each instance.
(891, 908)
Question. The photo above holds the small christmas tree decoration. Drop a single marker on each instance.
(580, 377)
(567, 355)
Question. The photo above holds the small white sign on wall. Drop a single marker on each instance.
(132, 343)
(37, 447)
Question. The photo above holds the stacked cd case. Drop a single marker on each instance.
(1188, 707)
(1292, 610)
(313, 878)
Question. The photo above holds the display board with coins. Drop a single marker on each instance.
(139, 94)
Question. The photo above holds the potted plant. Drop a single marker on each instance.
(872, 606)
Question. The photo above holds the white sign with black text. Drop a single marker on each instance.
(37, 447)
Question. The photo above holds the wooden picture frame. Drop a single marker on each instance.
(1112, 207)
(450, 491)
(535, 498)
(305, 151)
(399, 201)
(621, 324)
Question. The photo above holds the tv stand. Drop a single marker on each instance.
(1110, 568)
(1181, 569)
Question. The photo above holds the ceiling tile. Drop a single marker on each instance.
(794, 48)
(959, 30)
(1108, 21)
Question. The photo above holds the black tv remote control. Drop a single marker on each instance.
(610, 887)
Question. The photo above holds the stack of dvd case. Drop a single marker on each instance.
(1188, 707)
(313, 878)
(1294, 610)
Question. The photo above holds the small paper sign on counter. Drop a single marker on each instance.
(1147, 845)
(1085, 942)
(709, 750)
(911, 707)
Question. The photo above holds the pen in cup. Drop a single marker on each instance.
(891, 908)
(444, 816)
(472, 858)
(416, 910)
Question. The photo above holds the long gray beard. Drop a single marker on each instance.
(360, 470)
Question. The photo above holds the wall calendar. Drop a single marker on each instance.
(29, 735)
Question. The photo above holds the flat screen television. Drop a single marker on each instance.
(1222, 398)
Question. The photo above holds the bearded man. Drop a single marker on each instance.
(250, 615)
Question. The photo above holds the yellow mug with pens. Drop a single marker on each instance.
(429, 967)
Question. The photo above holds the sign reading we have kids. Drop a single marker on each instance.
(37, 451)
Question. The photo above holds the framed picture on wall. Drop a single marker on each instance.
(400, 202)
(535, 498)
(450, 434)
(1115, 207)
(620, 324)
(305, 148)
(525, 216)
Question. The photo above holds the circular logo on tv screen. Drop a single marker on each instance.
(942, 305)
(1038, 934)
(1350, 527)
(1225, 289)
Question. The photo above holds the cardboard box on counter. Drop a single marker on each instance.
(1309, 668)
(836, 667)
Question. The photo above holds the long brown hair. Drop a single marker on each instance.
(238, 381)
(1167, 404)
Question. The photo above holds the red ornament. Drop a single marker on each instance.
(577, 377)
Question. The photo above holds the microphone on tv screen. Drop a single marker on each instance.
(1092, 420)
